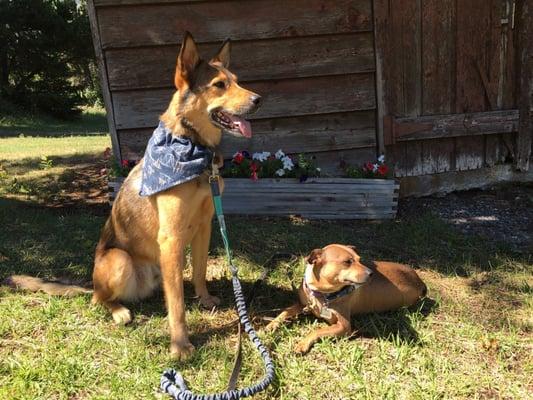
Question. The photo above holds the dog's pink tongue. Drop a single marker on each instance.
(244, 126)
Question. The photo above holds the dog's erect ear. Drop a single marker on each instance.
(314, 257)
(188, 60)
(223, 55)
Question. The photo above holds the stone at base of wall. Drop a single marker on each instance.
(446, 182)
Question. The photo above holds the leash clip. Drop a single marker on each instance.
(215, 172)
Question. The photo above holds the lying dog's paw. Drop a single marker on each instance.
(209, 301)
(271, 327)
(302, 347)
(181, 351)
(122, 316)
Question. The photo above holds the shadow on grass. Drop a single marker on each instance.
(55, 243)
(79, 185)
(425, 241)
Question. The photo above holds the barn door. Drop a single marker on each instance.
(445, 83)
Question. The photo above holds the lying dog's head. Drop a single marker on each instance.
(331, 268)
(208, 99)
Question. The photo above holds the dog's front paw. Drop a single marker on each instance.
(303, 347)
(272, 326)
(208, 301)
(122, 316)
(181, 351)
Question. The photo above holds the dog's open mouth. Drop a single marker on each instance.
(232, 123)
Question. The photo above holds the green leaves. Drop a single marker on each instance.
(45, 55)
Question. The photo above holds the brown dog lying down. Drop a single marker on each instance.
(336, 286)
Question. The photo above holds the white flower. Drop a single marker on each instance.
(261, 156)
(287, 163)
(375, 167)
(319, 170)
(280, 172)
(280, 154)
(381, 159)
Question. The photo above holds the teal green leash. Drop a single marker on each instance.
(172, 382)
(217, 202)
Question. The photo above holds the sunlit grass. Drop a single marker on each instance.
(471, 340)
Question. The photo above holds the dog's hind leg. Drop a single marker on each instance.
(200, 249)
(114, 279)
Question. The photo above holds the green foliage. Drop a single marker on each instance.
(46, 56)
(46, 163)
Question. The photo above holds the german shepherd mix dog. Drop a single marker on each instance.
(144, 239)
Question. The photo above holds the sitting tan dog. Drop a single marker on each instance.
(336, 286)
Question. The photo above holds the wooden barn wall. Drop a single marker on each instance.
(311, 60)
(445, 57)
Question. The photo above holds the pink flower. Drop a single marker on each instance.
(368, 167)
(125, 163)
(253, 169)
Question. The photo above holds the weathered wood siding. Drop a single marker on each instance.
(311, 60)
(453, 58)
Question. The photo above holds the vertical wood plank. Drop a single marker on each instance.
(525, 52)
(406, 29)
(471, 51)
(477, 58)
(106, 93)
(438, 78)
(438, 56)
(381, 12)
(407, 21)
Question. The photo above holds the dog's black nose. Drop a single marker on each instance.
(256, 99)
(369, 272)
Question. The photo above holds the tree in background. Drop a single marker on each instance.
(47, 58)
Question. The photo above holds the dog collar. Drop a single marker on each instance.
(318, 302)
(171, 160)
(329, 297)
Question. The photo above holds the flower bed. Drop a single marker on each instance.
(276, 184)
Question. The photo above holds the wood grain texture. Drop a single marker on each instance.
(524, 140)
(292, 134)
(153, 67)
(381, 40)
(104, 79)
(319, 95)
(145, 24)
(473, 48)
(438, 56)
(453, 125)
(328, 198)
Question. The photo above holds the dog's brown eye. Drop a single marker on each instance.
(220, 84)
(348, 262)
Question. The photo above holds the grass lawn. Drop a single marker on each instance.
(471, 340)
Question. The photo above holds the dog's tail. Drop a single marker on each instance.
(55, 288)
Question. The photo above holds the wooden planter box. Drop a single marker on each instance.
(317, 198)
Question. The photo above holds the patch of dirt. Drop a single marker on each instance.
(88, 187)
(500, 214)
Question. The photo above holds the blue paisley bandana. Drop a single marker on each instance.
(171, 160)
